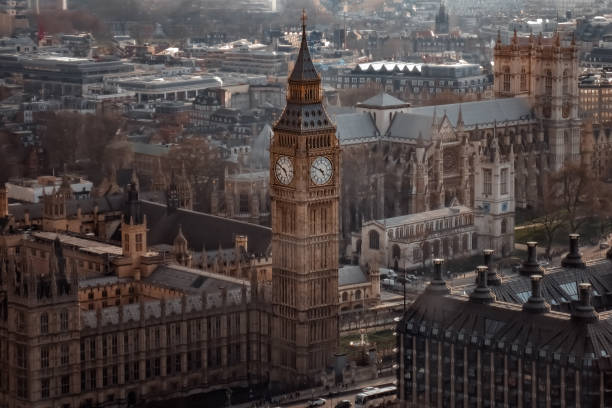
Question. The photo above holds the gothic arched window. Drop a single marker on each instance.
(506, 79)
(64, 320)
(374, 240)
(358, 294)
(523, 79)
(566, 107)
(44, 323)
(396, 252)
(548, 83)
(344, 296)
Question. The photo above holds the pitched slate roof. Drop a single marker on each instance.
(410, 126)
(202, 229)
(424, 216)
(383, 100)
(355, 128)
(192, 280)
(351, 275)
(560, 286)
(481, 112)
(505, 326)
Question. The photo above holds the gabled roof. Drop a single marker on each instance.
(351, 275)
(410, 126)
(383, 100)
(202, 230)
(355, 128)
(481, 112)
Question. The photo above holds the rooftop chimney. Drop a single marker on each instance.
(482, 293)
(583, 311)
(531, 266)
(437, 286)
(536, 303)
(493, 278)
(573, 259)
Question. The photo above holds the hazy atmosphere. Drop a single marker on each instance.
(305, 203)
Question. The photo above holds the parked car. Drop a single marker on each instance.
(319, 402)
(411, 277)
(344, 404)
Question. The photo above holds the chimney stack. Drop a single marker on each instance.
(583, 311)
(536, 303)
(437, 286)
(493, 278)
(482, 293)
(531, 265)
(574, 258)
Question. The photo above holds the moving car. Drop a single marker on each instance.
(344, 404)
(319, 402)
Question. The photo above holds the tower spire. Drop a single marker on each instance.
(304, 19)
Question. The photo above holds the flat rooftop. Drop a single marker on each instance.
(82, 244)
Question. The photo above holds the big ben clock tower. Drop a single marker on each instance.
(304, 179)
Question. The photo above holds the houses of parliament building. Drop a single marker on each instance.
(105, 303)
(115, 301)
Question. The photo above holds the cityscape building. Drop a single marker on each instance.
(530, 340)
(412, 80)
(304, 179)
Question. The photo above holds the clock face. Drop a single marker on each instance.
(284, 170)
(321, 170)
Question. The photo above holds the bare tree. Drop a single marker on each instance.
(551, 217)
(202, 164)
(92, 141)
(575, 190)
